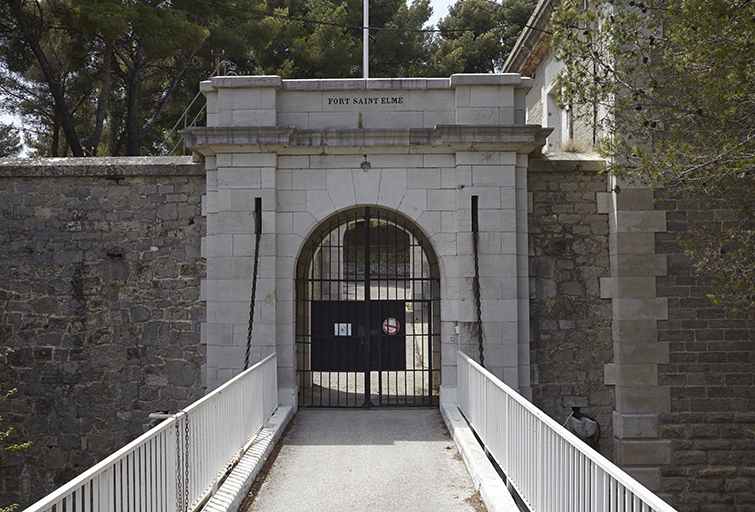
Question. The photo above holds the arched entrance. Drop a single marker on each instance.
(367, 313)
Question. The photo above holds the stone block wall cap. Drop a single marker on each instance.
(246, 81)
(567, 162)
(325, 84)
(486, 79)
(370, 84)
(101, 166)
(361, 84)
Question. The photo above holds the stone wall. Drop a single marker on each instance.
(711, 425)
(571, 339)
(99, 308)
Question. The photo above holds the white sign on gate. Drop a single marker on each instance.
(342, 329)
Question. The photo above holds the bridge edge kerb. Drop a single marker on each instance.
(493, 490)
(236, 487)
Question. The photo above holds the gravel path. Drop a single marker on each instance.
(372, 460)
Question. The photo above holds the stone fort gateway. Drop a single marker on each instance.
(390, 223)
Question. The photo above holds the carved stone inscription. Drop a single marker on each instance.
(377, 100)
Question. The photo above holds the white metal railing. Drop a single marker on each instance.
(180, 461)
(550, 468)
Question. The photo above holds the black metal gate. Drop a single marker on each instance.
(367, 315)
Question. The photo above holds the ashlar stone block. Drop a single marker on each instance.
(648, 477)
(423, 177)
(643, 453)
(235, 178)
(631, 243)
(253, 117)
(292, 201)
(414, 203)
(637, 221)
(636, 426)
(491, 96)
(477, 115)
(366, 185)
(642, 399)
(646, 350)
(392, 187)
(319, 204)
(440, 199)
(627, 287)
(300, 101)
(341, 188)
(640, 309)
(631, 374)
(304, 223)
(430, 100)
(431, 119)
(638, 264)
(310, 179)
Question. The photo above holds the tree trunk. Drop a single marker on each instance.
(61, 107)
(134, 82)
(94, 140)
(55, 137)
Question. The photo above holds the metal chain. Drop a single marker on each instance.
(179, 482)
(186, 461)
(258, 218)
(477, 294)
(182, 469)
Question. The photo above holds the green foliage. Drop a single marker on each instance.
(478, 35)
(6, 433)
(302, 49)
(10, 141)
(674, 83)
(123, 72)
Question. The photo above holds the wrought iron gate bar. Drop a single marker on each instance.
(364, 272)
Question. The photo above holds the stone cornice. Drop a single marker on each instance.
(520, 138)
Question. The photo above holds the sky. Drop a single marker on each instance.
(440, 10)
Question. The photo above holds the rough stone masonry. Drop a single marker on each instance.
(99, 308)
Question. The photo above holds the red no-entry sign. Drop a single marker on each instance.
(390, 326)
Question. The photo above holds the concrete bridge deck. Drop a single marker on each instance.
(370, 460)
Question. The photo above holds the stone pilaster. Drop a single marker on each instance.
(633, 222)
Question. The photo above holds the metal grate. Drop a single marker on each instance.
(367, 314)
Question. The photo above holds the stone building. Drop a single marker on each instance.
(680, 368)
(126, 283)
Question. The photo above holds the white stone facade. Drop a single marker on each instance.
(420, 147)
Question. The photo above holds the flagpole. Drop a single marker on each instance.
(366, 40)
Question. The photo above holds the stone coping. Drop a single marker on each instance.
(525, 138)
(362, 84)
(567, 162)
(102, 166)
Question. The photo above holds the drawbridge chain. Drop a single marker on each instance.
(182, 466)
(258, 235)
(475, 243)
